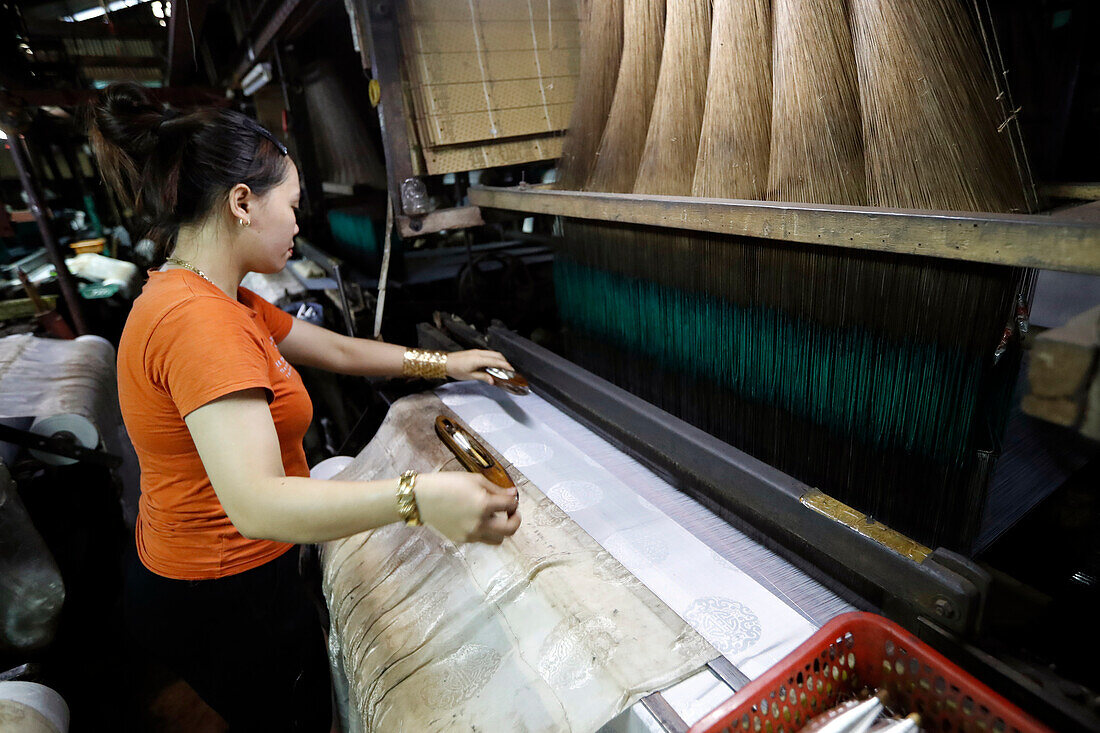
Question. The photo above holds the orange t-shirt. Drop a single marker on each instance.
(185, 344)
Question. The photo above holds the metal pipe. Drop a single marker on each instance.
(42, 215)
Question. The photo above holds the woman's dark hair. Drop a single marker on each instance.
(174, 168)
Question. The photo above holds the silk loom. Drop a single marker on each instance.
(774, 301)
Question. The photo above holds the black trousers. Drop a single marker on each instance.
(250, 644)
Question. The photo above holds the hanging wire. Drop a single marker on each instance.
(383, 276)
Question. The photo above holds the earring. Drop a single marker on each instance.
(243, 222)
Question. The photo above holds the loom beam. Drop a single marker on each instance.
(1019, 240)
(766, 504)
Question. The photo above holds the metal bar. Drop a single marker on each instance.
(254, 49)
(668, 718)
(57, 446)
(44, 218)
(725, 670)
(1039, 690)
(345, 308)
(756, 498)
(1020, 240)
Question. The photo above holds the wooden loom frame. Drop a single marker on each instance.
(1042, 241)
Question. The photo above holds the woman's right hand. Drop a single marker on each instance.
(467, 507)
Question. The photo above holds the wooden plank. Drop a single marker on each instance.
(1061, 367)
(1020, 240)
(457, 68)
(494, 10)
(443, 99)
(1079, 191)
(509, 35)
(453, 158)
(491, 124)
(23, 307)
(385, 49)
(437, 221)
(1080, 212)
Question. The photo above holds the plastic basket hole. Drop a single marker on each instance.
(844, 675)
(793, 698)
(851, 660)
(940, 685)
(786, 714)
(763, 706)
(820, 685)
(799, 679)
(899, 667)
(817, 666)
(886, 666)
(889, 648)
(768, 727)
(999, 726)
(984, 709)
(849, 640)
(832, 652)
(914, 667)
(802, 699)
(968, 705)
(925, 684)
(782, 692)
(757, 724)
(775, 710)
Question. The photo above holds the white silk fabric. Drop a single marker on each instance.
(547, 632)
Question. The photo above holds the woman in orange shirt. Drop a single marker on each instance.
(217, 412)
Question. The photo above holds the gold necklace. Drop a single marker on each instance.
(188, 266)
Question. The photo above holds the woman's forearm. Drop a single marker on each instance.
(303, 510)
(366, 358)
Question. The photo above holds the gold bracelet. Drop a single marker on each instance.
(424, 364)
(406, 499)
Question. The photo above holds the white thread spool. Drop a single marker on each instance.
(79, 429)
(28, 707)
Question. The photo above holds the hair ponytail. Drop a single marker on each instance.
(173, 168)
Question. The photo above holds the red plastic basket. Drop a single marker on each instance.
(858, 650)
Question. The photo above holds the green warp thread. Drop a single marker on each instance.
(918, 397)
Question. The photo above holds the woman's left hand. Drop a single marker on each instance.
(471, 364)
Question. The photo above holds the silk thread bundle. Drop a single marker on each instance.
(869, 376)
(601, 53)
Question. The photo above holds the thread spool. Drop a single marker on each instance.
(75, 428)
(29, 707)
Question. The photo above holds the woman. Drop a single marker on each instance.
(217, 413)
